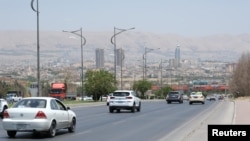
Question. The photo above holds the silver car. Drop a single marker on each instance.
(124, 99)
(38, 114)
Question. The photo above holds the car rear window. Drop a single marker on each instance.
(121, 94)
(31, 103)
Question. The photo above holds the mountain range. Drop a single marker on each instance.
(21, 46)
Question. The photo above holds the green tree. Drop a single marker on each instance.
(3, 88)
(15, 86)
(98, 83)
(142, 86)
(45, 88)
(163, 91)
(240, 84)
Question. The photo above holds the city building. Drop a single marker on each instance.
(177, 56)
(99, 58)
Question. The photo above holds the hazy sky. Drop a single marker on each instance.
(184, 17)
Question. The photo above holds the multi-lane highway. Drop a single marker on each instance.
(157, 121)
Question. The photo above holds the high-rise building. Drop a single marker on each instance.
(99, 58)
(177, 56)
(120, 57)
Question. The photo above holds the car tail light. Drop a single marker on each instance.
(6, 114)
(41, 115)
(129, 97)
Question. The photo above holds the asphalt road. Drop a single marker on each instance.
(157, 121)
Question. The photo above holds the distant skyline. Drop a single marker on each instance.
(183, 17)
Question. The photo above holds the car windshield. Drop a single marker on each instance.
(197, 93)
(173, 93)
(10, 95)
(31, 103)
(122, 94)
(56, 91)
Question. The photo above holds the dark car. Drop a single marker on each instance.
(220, 97)
(174, 96)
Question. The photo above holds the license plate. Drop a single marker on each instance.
(21, 126)
(119, 101)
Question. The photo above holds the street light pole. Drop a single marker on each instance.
(161, 68)
(113, 41)
(144, 57)
(122, 60)
(38, 47)
(83, 42)
(161, 72)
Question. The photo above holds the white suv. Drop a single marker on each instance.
(124, 99)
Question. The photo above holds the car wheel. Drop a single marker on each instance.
(52, 129)
(133, 108)
(118, 110)
(139, 107)
(72, 125)
(190, 103)
(11, 134)
(111, 110)
(169, 102)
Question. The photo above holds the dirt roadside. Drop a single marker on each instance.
(242, 111)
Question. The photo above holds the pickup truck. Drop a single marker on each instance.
(13, 97)
(3, 106)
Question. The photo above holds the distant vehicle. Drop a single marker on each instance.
(13, 97)
(108, 98)
(220, 97)
(58, 90)
(211, 97)
(185, 97)
(124, 99)
(38, 114)
(3, 106)
(196, 97)
(86, 98)
(174, 96)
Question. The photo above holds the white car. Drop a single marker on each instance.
(124, 99)
(12, 97)
(3, 106)
(38, 114)
(87, 98)
(196, 97)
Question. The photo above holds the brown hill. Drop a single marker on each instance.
(20, 46)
